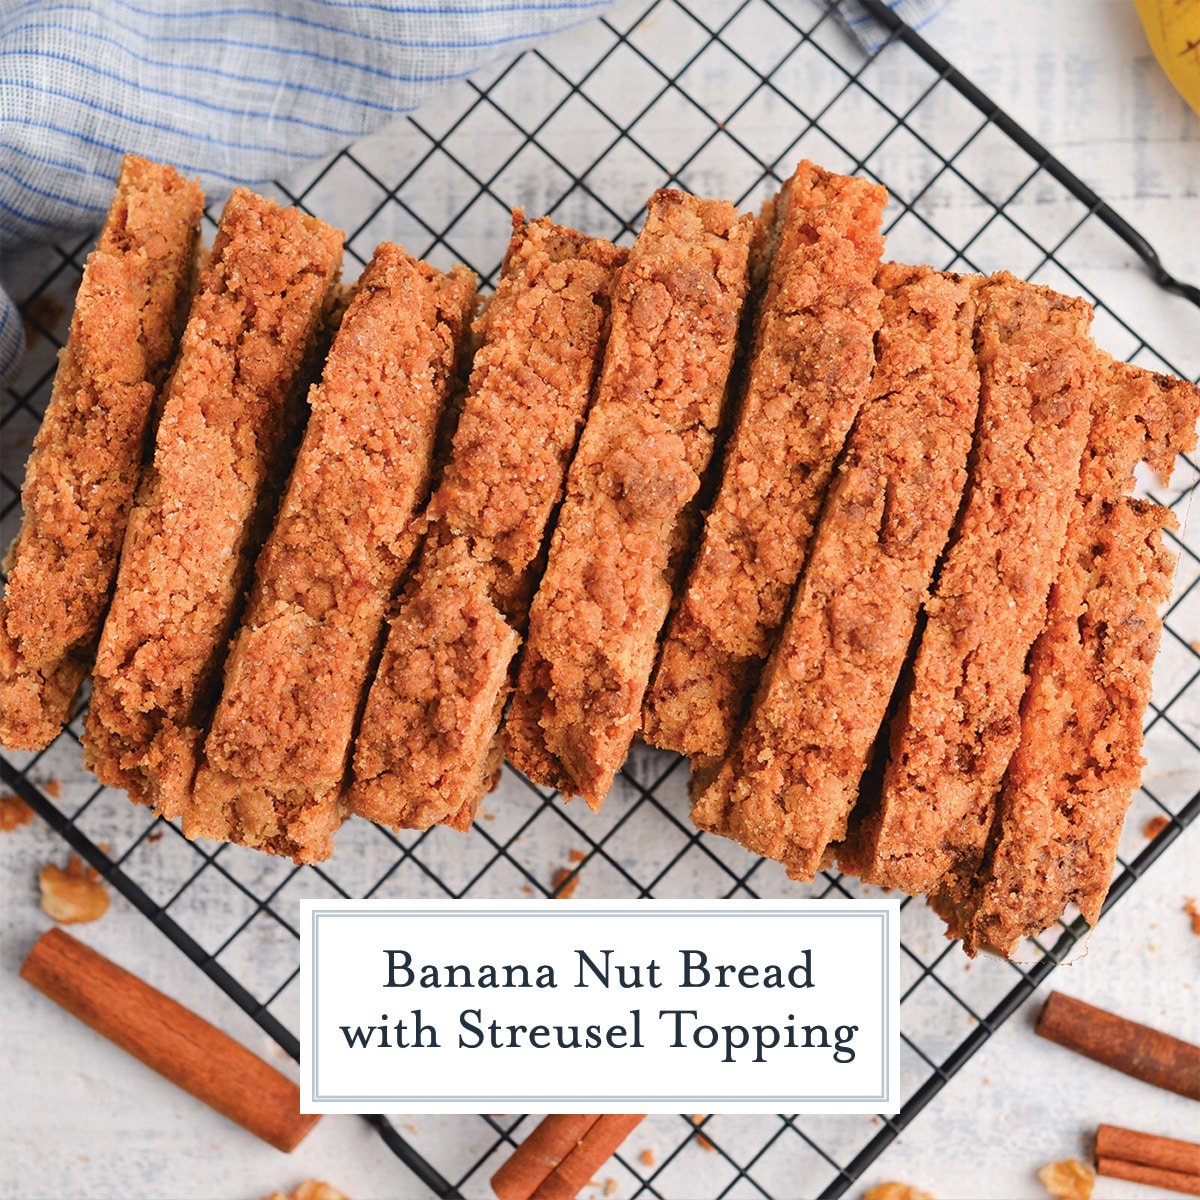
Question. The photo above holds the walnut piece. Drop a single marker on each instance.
(1068, 1180)
(892, 1190)
(310, 1189)
(13, 812)
(73, 896)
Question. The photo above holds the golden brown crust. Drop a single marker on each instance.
(1079, 760)
(791, 778)
(627, 517)
(423, 754)
(87, 457)
(230, 409)
(276, 754)
(958, 724)
(807, 380)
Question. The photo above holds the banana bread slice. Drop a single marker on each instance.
(277, 754)
(221, 455)
(790, 781)
(1064, 798)
(87, 457)
(959, 722)
(1070, 781)
(629, 509)
(806, 382)
(426, 750)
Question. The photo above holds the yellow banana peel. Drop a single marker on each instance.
(1173, 30)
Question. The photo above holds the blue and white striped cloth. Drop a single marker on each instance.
(235, 91)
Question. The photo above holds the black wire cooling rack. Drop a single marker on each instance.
(721, 99)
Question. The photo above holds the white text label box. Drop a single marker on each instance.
(600, 1006)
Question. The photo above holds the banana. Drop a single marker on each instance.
(1173, 30)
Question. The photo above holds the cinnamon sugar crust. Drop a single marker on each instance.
(958, 724)
(790, 781)
(807, 379)
(276, 756)
(425, 751)
(87, 456)
(629, 509)
(231, 407)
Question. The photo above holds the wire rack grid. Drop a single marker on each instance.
(722, 100)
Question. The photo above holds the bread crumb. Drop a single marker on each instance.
(73, 896)
(896, 1191)
(311, 1189)
(53, 789)
(698, 1119)
(576, 856)
(646, 1158)
(1192, 908)
(526, 889)
(13, 812)
(611, 1187)
(565, 883)
(1155, 826)
(1068, 1180)
(155, 836)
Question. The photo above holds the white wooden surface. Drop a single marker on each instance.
(82, 1120)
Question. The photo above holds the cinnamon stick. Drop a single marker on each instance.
(539, 1154)
(1175, 1181)
(1149, 1149)
(168, 1038)
(1138, 1050)
(596, 1147)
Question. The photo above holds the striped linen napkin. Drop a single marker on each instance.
(235, 91)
